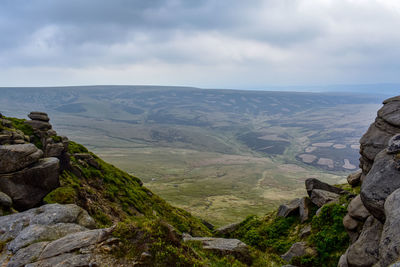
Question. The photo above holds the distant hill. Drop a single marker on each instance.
(201, 149)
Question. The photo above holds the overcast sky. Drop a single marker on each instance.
(204, 43)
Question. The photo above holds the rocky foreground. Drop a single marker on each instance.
(60, 205)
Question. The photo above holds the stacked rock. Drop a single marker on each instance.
(10, 137)
(53, 145)
(374, 216)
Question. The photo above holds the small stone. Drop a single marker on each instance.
(304, 232)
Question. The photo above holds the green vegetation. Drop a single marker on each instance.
(115, 195)
(20, 124)
(328, 236)
(164, 245)
(271, 234)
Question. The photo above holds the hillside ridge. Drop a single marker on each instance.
(61, 205)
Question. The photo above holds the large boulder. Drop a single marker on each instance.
(17, 157)
(12, 225)
(38, 116)
(39, 125)
(312, 183)
(28, 186)
(354, 178)
(365, 251)
(357, 210)
(52, 235)
(288, 209)
(223, 246)
(389, 246)
(322, 197)
(381, 181)
(35, 232)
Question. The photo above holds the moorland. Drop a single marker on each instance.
(220, 154)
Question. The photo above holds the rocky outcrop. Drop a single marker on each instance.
(389, 246)
(223, 246)
(379, 133)
(380, 182)
(53, 145)
(312, 184)
(374, 216)
(17, 157)
(321, 197)
(365, 251)
(51, 235)
(28, 186)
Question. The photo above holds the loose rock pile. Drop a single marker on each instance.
(373, 217)
(27, 174)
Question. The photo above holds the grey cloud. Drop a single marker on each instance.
(303, 39)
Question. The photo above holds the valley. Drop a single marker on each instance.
(220, 154)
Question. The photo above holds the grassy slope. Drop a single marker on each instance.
(113, 196)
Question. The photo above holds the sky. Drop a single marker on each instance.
(204, 43)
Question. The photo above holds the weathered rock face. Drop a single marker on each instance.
(12, 225)
(322, 197)
(379, 133)
(357, 210)
(68, 241)
(291, 208)
(28, 186)
(305, 209)
(394, 144)
(17, 157)
(224, 246)
(313, 183)
(378, 200)
(389, 246)
(365, 251)
(380, 182)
